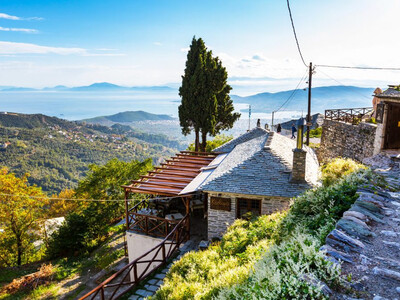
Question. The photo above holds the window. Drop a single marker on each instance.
(248, 205)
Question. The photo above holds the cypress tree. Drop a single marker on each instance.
(206, 106)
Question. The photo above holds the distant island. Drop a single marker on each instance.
(127, 117)
(95, 87)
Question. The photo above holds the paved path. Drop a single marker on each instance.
(367, 240)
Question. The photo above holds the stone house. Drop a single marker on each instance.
(253, 174)
(346, 132)
(388, 120)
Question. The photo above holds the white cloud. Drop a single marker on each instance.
(15, 18)
(12, 48)
(157, 44)
(185, 49)
(26, 30)
(9, 17)
(26, 48)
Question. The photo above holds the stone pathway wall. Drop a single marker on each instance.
(367, 242)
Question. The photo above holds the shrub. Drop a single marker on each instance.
(317, 210)
(201, 275)
(338, 168)
(281, 273)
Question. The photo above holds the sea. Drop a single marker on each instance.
(75, 105)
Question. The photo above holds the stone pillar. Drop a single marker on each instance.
(299, 165)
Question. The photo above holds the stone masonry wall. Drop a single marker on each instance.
(219, 220)
(346, 140)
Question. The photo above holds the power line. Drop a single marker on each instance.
(343, 84)
(87, 200)
(294, 32)
(360, 68)
(293, 92)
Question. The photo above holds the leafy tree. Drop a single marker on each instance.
(61, 207)
(87, 226)
(206, 106)
(20, 217)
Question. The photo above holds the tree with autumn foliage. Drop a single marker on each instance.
(22, 210)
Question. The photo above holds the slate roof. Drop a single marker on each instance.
(390, 93)
(228, 147)
(258, 163)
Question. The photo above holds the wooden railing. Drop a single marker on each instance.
(348, 115)
(148, 224)
(136, 271)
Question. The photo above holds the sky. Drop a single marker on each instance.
(46, 43)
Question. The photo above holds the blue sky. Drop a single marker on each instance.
(130, 42)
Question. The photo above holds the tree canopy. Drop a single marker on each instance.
(20, 218)
(206, 106)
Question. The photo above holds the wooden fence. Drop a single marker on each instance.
(136, 271)
(348, 115)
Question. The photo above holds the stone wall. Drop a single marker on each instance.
(346, 140)
(219, 220)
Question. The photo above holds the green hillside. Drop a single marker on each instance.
(57, 152)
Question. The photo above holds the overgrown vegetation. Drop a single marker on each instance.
(315, 133)
(338, 168)
(203, 274)
(289, 251)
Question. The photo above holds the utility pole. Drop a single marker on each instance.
(249, 116)
(272, 121)
(309, 105)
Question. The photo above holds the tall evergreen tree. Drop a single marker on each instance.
(189, 91)
(206, 106)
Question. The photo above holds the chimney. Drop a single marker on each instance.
(299, 155)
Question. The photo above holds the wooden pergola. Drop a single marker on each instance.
(168, 180)
(172, 176)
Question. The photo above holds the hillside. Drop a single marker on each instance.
(322, 98)
(128, 116)
(57, 152)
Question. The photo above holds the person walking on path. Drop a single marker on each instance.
(279, 128)
(293, 131)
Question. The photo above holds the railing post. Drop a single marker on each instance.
(146, 224)
(135, 276)
(163, 253)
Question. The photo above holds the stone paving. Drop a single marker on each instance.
(152, 285)
(367, 242)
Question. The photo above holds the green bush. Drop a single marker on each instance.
(280, 273)
(338, 168)
(201, 275)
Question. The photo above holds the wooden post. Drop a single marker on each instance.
(127, 209)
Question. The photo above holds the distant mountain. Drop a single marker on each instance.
(95, 87)
(127, 117)
(322, 98)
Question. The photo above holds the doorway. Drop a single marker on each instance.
(392, 134)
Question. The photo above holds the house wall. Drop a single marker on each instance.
(219, 220)
(139, 244)
(346, 140)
